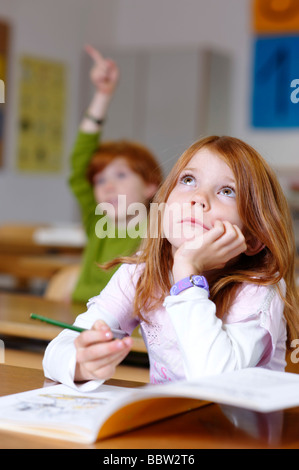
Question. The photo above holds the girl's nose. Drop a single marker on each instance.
(109, 185)
(200, 198)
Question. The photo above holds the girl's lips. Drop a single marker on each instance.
(114, 202)
(194, 222)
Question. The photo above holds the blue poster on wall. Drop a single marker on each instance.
(276, 74)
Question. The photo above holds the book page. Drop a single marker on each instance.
(252, 388)
(59, 409)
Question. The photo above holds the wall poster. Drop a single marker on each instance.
(276, 63)
(41, 115)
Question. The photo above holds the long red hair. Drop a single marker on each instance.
(265, 214)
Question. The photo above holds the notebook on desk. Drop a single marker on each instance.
(64, 413)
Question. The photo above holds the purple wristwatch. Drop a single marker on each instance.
(193, 280)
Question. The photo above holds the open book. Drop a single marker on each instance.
(64, 413)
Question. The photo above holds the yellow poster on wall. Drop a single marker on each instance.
(41, 115)
(276, 16)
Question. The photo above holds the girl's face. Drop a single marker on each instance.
(118, 179)
(207, 189)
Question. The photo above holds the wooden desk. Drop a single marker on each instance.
(26, 339)
(15, 312)
(209, 427)
(25, 259)
(19, 239)
(29, 267)
(15, 319)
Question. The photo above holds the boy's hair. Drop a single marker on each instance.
(265, 214)
(138, 157)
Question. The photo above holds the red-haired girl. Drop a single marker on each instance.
(221, 299)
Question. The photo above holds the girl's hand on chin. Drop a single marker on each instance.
(210, 251)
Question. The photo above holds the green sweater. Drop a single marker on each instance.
(92, 279)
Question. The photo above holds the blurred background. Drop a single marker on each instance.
(188, 69)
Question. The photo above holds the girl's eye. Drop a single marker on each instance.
(99, 181)
(228, 191)
(187, 179)
(121, 175)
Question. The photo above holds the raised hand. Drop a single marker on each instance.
(104, 73)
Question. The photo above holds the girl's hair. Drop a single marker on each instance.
(138, 157)
(265, 214)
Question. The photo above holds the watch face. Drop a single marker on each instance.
(198, 280)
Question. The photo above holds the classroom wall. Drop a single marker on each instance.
(224, 25)
(58, 29)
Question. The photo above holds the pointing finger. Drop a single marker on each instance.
(94, 53)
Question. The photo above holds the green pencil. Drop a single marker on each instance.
(116, 333)
(56, 323)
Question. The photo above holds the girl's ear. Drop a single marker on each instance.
(254, 246)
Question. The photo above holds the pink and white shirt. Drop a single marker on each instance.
(184, 338)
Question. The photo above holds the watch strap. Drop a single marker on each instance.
(99, 122)
(191, 281)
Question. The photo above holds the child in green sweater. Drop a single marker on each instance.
(102, 173)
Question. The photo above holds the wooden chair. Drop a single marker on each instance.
(62, 284)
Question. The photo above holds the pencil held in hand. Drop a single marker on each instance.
(116, 333)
